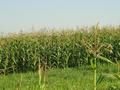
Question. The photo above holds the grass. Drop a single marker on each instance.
(61, 79)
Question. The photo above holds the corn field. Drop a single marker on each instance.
(60, 49)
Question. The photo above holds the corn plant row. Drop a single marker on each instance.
(22, 52)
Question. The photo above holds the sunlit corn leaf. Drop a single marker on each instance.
(105, 59)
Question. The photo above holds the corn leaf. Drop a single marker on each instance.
(105, 59)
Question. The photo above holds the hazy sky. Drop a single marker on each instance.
(23, 14)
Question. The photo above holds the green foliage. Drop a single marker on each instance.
(22, 52)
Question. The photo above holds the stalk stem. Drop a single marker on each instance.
(94, 78)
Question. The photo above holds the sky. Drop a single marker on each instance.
(16, 15)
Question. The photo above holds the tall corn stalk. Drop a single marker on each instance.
(94, 47)
(41, 73)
